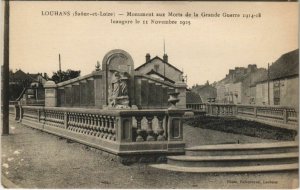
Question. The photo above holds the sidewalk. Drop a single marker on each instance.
(34, 159)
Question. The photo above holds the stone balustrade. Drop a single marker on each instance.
(274, 115)
(196, 106)
(119, 132)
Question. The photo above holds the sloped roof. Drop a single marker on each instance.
(192, 97)
(160, 75)
(156, 57)
(19, 75)
(285, 66)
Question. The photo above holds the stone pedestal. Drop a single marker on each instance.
(175, 129)
(181, 88)
(50, 94)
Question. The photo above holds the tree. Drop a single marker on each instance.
(61, 76)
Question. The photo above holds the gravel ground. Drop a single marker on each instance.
(34, 159)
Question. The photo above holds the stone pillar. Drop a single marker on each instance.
(181, 88)
(175, 129)
(50, 94)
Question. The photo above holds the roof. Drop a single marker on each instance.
(19, 75)
(205, 90)
(156, 57)
(254, 77)
(160, 75)
(192, 97)
(285, 66)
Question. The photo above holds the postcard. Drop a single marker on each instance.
(150, 94)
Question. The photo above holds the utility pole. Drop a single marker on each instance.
(5, 72)
(164, 61)
(268, 84)
(59, 60)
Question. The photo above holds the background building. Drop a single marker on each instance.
(160, 68)
(277, 86)
(207, 92)
(282, 85)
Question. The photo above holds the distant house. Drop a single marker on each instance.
(160, 68)
(237, 86)
(24, 86)
(207, 92)
(281, 88)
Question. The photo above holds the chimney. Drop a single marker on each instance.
(165, 58)
(148, 57)
(45, 76)
(251, 68)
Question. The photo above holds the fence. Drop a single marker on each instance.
(279, 116)
(119, 132)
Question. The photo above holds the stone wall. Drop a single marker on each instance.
(288, 92)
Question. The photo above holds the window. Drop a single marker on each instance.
(156, 67)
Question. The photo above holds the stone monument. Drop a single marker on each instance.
(118, 73)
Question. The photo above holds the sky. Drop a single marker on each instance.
(204, 50)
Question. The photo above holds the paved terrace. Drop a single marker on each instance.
(34, 159)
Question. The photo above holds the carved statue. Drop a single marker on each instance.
(119, 91)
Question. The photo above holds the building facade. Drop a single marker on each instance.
(282, 85)
(162, 67)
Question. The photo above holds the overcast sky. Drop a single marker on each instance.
(205, 50)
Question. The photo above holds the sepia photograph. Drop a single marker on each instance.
(149, 95)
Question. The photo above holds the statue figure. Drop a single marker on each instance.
(119, 90)
(123, 85)
(115, 83)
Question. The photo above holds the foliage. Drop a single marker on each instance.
(61, 76)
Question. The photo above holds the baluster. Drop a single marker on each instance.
(114, 129)
(69, 121)
(77, 122)
(107, 127)
(103, 126)
(80, 126)
(86, 130)
(160, 130)
(139, 137)
(55, 119)
(149, 129)
(89, 125)
(98, 126)
(74, 122)
(94, 132)
(50, 118)
(110, 129)
(86, 125)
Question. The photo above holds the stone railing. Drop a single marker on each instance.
(221, 109)
(33, 102)
(196, 106)
(274, 115)
(120, 132)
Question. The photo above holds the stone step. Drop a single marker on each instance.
(242, 149)
(239, 169)
(233, 161)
